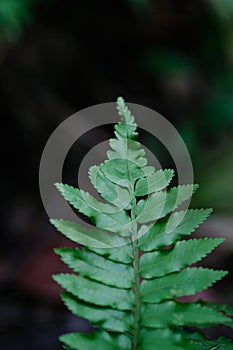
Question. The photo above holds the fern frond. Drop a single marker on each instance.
(135, 263)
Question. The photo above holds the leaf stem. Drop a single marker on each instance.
(136, 275)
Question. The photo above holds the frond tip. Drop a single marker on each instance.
(126, 129)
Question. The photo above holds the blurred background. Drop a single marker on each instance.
(57, 57)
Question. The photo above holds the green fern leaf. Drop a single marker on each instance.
(108, 190)
(184, 253)
(103, 215)
(169, 231)
(106, 318)
(187, 282)
(159, 204)
(90, 237)
(98, 340)
(135, 263)
(150, 339)
(153, 183)
(121, 254)
(97, 268)
(122, 172)
(93, 292)
(127, 149)
(223, 309)
(171, 313)
(168, 339)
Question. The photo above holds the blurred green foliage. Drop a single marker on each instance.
(207, 72)
(223, 7)
(139, 5)
(218, 108)
(167, 64)
(14, 14)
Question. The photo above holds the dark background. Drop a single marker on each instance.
(57, 57)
